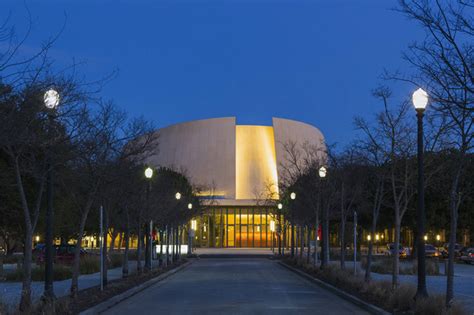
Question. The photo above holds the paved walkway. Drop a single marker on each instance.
(10, 291)
(235, 286)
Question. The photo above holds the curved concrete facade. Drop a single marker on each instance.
(238, 164)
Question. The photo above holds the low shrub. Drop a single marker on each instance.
(384, 265)
(89, 264)
(431, 265)
(115, 260)
(12, 259)
(60, 272)
(379, 293)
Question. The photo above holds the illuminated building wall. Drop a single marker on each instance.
(255, 165)
(240, 165)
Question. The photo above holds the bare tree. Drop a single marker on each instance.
(376, 161)
(106, 135)
(443, 64)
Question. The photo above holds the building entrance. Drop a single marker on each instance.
(235, 227)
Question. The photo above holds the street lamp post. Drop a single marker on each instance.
(191, 232)
(292, 230)
(420, 100)
(279, 230)
(51, 101)
(322, 172)
(148, 246)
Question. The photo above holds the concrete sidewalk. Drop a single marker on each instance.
(10, 291)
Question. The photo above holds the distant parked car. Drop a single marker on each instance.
(468, 256)
(63, 254)
(463, 251)
(445, 250)
(431, 251)
(402, 251)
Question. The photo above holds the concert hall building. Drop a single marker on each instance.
(239, 167)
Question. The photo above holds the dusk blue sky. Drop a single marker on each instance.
(315, 61)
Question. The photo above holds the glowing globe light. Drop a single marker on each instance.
(178, 195)
(51, 99)
(322, 172)
(293, 196)
(280, 206)
(149, 172)
(420, 99)
(190, 206)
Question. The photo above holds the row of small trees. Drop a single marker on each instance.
(90, 151)
(377, 173)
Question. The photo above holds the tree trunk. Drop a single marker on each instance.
(297, 240)
(25, 301)
(77, 256)
(167, 246)
(342, 241)
(177, 243)
(454, 205)
(316, 230)
(396, 256)
(371, 246)
(112, 240)
(308, 239)
(127, 247)
(104, 243)
(292, 240)
(139, 247)
(173, 247)
(161, 247)
(120, 241)
(284, 239)
(327, 237)
(324, 259)
(301, 242)
(147, 247)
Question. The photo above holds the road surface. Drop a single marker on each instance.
(235, 286)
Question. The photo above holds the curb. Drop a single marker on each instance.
(102, 307)
(355, 300)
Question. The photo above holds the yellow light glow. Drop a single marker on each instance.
(208, 193)
(377, 237)
(204, 228)
(293, 196)
(381, 236)
(190, 206)
(193, 225)
(258, 228)
(426, 237)
(256, 166)
(178, 196)
(37, 238)
(280, 206)
(438, 237)
(272, 226)
(368, 237)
